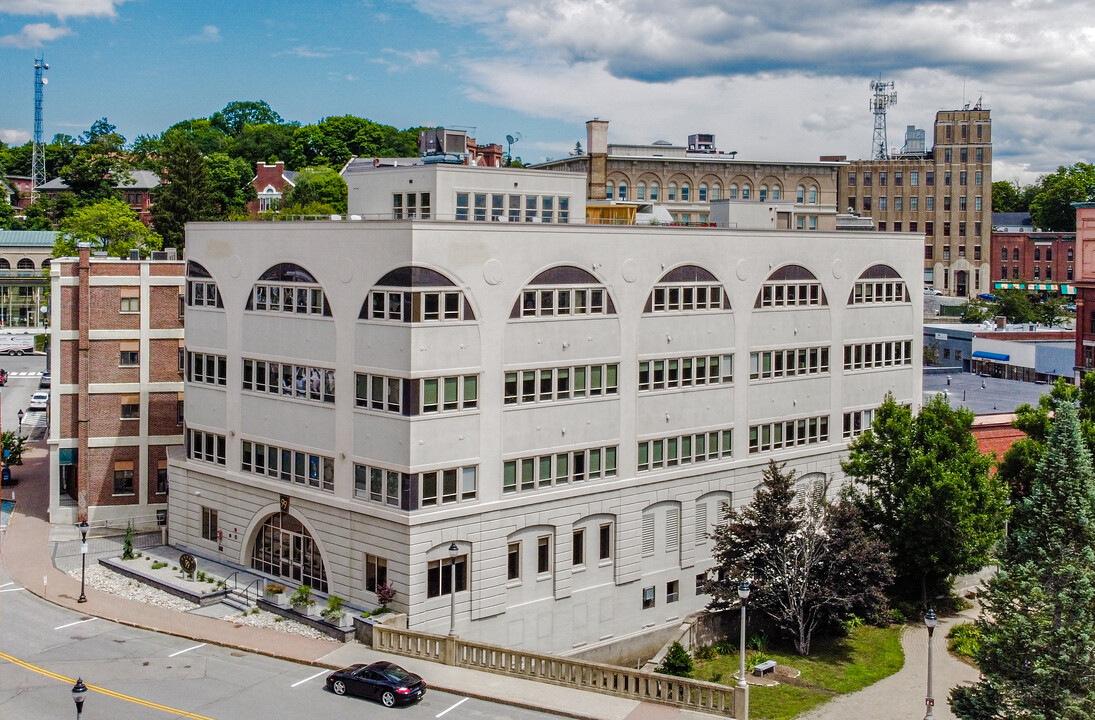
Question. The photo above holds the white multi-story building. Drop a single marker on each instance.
(574, 406)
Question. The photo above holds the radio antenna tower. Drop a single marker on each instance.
(38, 155)
(884, 97)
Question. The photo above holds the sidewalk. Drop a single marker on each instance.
(26, 555)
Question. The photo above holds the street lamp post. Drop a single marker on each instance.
(931, 621)
(83, 569)
(20, 416)
(79, 692)
(453, 552)
(743, 685)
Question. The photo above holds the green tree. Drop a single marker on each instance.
(322, 185)
(7, 214)
(1051, 311)
(237, 115)
(808, 561)
(1051, 208)
(677, 661)
(231, 181)
(188, 194)
(264, 143)
(1036, 654)
(94, 173)
(1005, 196)
(1016, 305)
(108, 225)
(12, 446)
(923, 486)
(208, 138)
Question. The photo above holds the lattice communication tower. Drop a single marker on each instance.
(38, 156)
(884, 97)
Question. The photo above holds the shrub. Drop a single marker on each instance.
(852, 623)
(274, 589)
(385, 593)
(757, 641)
(964, 639)
(897, 617)
(725, 647)
(677, 662)
(706, 652)
(156, 565)
(752, 659)
(302, 597)
(334, 612)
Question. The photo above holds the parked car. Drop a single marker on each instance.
(45, 381)
(3, 376)
(39, 401)
(929, 290)
(988, 296)
(1071, 307)
(383, 681)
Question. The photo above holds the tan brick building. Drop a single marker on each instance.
(116, 405)
(943, 193)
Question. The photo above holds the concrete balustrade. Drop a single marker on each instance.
(608, 679)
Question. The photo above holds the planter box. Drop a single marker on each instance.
(363, 627)
(279, 599)
(311, 611)
(340, 633)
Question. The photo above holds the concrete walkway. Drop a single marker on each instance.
(901, 695)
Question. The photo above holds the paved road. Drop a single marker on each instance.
(137, 674)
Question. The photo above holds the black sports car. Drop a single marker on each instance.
(383, 681)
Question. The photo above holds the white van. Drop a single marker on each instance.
(16, 344)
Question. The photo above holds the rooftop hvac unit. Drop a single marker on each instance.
(440, 141)
(165, 254)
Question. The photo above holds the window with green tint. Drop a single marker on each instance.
(545, 471)
(644, 455)
(468, 483)
(594, 463)
(452, 388)
(562, 468)
(429, 395)
(658, 450)
(579, 382)
(611, 383)
(610, 461)
(528, 477)
(511, 388)
(595, 385)
(562, 384)
(509, 476)
(471, 391)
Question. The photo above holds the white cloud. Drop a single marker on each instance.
(208, 34)
(61, 8)
(407, 59)
(305, 51)
(34, 35)
(14, 137)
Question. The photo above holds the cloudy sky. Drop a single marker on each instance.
(780, 80)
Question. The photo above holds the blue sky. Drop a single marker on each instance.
(779, 80)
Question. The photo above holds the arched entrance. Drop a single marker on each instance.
(284, 548)
(961, 279)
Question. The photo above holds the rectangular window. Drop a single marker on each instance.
(439, 580)
(578, 548)
(123, 478)
(543, 555)
(130, 305)
(605, 542)
(672, 591)
(131, 411)
(648, 598)
(161, 478)
(376, 572)
(209, 524)
(130, 353)
(513, 561)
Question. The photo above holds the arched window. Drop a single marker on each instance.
(732, 192)
(703, 192)
(685, 192)
(623, 190)
(201, 290)
(25, 264)
(716, 192)
(672, 192)
(800, 198)
(610, 189)
(45, 264)
(641, 193)
(763, 190)
(813, 195)
(564, 291)
(775, 192)
(688, 288)
(653, 191)
(746, 191)
(284, 548)
(4, 264)
(879, 284)
(791, 285)
(287, 287)
(415, 294)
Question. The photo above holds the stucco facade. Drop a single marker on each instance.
(573, 406)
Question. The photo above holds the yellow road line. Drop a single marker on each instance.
(103, 690)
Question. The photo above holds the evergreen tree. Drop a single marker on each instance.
(187, 194)
(807, 560)
(926, 490)
(1037, 649)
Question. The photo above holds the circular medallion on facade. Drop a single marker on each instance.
(838, 269)
(742, 270)
(235, 267)
(492, 271)
(630, 270)
(346, 270)
(187, 563)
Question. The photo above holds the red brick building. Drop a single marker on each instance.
(1085, 287)
(116, 404)
(1038, 257)
(137, 191)
(272, 183)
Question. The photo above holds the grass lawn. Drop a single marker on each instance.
(834, 667)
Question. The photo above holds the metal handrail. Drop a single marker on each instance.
(247, 594)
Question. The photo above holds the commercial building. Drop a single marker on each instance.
(116, 403)
(686, 178)
(558, 413)
(942, 193)
(1027, 352)
(1036, 258)
(25, 257)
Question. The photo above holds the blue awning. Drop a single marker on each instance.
(991, 356)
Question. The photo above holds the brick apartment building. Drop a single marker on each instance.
(116, 404)
(1038, 257)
